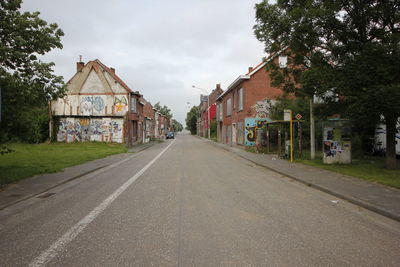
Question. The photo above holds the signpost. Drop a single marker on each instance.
(287, 116)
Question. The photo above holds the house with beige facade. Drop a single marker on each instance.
(98, 106)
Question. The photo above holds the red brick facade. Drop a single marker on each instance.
(256, 86)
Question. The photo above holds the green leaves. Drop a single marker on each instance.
(27, 83)
(191, 119)
(23, 36)
(352, 49)
(163, 110)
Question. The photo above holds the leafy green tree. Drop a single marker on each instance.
(341, 48)
(191, 119)
(163, 110)
(177, 126)
(26, 83)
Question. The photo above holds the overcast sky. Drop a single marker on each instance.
(158, 47)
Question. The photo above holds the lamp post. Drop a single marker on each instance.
(208, 108)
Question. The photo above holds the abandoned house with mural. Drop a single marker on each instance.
(98, 106)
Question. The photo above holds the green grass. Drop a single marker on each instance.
(31, 159)
(369, 168)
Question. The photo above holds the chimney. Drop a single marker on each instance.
(250, 69)
(218, 86)
(79, 66)
(113, 70)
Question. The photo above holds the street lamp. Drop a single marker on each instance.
(208, 107)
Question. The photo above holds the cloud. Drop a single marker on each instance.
(160, 48)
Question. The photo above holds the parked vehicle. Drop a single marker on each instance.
(170, 135)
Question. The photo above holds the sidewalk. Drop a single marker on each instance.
(375, 197)
(40, 184)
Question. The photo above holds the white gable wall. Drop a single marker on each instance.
(92, 84)
(116, 87)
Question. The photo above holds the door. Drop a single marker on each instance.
(233, 133)
(229, 135)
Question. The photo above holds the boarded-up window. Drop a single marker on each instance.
(229, 107)
(223, 138)
(229, 135)
(240, 99)
(240, 133)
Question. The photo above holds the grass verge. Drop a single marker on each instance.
(31, 159)
(369, 168)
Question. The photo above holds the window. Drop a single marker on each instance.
(229, 107)
(282, 61)
(240, 99)
(133, 104)
(234, 98)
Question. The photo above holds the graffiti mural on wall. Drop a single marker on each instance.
(120, 104)
(102, 130)
(251, 126)
(263, 108)
(92, 105)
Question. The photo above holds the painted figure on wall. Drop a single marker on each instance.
(120, 104)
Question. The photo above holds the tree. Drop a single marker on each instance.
(26, 83)
(350, 49)
(163, 110)
(177, 126)
(191, 119)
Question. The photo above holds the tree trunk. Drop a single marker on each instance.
(391, 130)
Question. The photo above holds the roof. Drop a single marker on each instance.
(248, 75)
(98, 66)
(115, 76)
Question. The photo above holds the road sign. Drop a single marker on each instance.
(298, 116)
(287, 114)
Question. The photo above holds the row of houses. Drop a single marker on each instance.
(99, 106)
(244, 104)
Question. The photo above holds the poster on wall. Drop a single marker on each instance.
(337, 144)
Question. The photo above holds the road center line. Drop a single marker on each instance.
(74, 231)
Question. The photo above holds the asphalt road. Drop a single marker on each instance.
(187, 203)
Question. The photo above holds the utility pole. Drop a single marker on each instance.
(312, 129)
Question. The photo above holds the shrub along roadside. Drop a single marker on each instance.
(31, 159)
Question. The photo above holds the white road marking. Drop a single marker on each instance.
(73, 232)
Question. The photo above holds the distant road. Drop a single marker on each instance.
(185, 202)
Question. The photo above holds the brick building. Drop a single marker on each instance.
(204, 109)
(245, 102)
